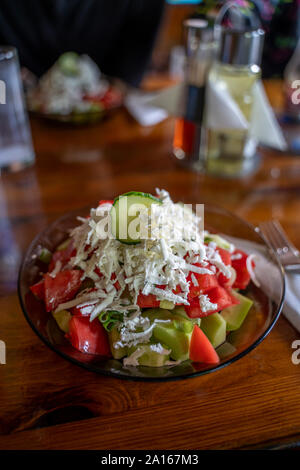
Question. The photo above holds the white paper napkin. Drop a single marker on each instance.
(267, 275)
(264, 126)
(139, 105)
(222, 112)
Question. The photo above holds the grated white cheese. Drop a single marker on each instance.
(250, 269)
(205, 304)
(132, 360)
(129, 336)
(102, 305)
(236, 256)
(197, 269)
(160, 349)
(81, 300)
(57, 268)
(194, 280)
(163, 260)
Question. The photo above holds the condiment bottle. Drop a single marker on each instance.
(189, 135)
(231, 152)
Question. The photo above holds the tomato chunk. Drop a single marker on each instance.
(224, 281)
(225, 256)
(98, 272)
(205, 282)
(218, 295)
(61, 288)
(147, 301)
(63, 256)
(113, 277)
(88, 337)
(194, 310)
(38, 290)
(105, 201)
(116, 284)
(222, 297)
(176, 291)
(240, 266)
(110, 99)
(83, 310)
(201, 349)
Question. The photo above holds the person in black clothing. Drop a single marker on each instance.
(117, 34)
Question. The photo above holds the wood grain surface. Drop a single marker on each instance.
(48, 403)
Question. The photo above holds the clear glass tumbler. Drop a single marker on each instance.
(16, 149)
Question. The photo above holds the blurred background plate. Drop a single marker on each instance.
(75, 119)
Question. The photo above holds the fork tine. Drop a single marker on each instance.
(279, 241)
(268, 232)
(287, 252)
(283, 237)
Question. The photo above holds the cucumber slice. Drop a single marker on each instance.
(225, 350)
(214, 326)
(177, 341)
(125, 215)
(166, 304)
(68, 63)
(62, 318)
(179, 310)
(174, 331)
(114, 337)
(219, 241)
(63, 245)
(235, 315)
(150, 357)
(45, 256)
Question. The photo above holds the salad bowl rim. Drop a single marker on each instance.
(110, 373)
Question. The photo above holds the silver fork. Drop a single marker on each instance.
(283, 247)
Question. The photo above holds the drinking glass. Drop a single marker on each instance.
(16, 149)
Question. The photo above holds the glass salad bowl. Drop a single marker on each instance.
(268, 297)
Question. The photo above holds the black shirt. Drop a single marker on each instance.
(117, 34)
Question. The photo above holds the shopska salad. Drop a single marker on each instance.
(73, 85)
(154, 301)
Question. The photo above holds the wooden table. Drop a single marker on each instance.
(48, 403)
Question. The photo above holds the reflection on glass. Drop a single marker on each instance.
(10, 254)
(230, 149)
(16, 150)
(21, 218)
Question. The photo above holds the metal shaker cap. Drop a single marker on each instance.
(198, 32)
(240, 48)
(241, 39)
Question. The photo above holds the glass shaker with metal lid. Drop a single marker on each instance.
(231, 151)
(189, 136)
